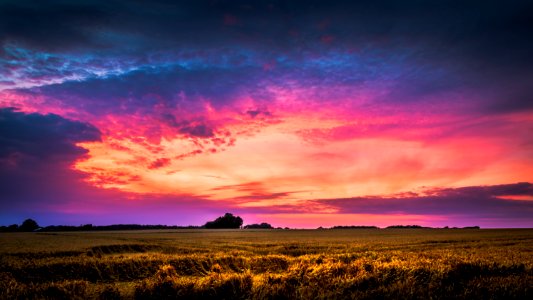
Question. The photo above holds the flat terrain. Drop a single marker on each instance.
(269, 264)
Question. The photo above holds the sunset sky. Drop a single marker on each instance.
(297, 113)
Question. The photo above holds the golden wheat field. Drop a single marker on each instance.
(268, 264)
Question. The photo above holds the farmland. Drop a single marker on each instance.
(269, 264)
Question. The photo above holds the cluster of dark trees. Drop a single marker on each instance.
(228, 221)
(27, 226)
(234, 222)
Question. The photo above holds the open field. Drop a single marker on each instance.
(269, 264)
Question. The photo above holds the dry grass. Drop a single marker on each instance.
(271, 264)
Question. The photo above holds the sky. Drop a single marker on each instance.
(298, 113)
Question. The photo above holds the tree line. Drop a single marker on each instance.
(227, 221)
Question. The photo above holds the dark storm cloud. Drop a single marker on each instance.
(36, 154)
(486, 28)
(424, 48)
(42, 136)
(51, 25)
(475, 201)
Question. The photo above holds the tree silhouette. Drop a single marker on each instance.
(28, 225)
(226, 221)
(258, 226)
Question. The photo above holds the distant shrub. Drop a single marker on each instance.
(259, 226)
(10, 228)
(471, 227)
(354, 227)
(406, 226)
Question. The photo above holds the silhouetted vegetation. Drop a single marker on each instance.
(228, 221)
(28, 225)
(354, 227)
(407, 226)
(89, 227)
(259, 226)
(13, 227)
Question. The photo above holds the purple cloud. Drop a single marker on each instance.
(474, 201)
(36, 154)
